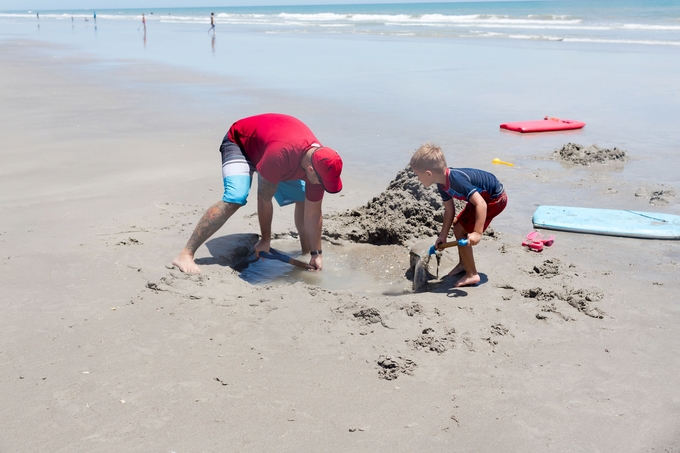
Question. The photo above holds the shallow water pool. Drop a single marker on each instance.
(362, 268)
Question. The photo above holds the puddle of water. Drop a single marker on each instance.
(361, 268)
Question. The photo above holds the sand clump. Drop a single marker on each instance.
(368, 316)
(412, 309)
(429, 341)
(550, 268)
(580, 299)
(657, 196)
(391, 367)
(576, 154)
(405, 211)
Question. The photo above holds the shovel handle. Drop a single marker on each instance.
(460, 242)
(275, 255)
(301, 264)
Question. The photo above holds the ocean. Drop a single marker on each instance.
(617, 22)
(376, 81)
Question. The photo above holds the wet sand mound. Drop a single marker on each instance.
(428, 341)
(576, 154)
(658, 196)
(403, 212)
(391, 367)
(580, 299)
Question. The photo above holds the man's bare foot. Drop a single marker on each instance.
(457, 270)
(468, 280)
(185, 263)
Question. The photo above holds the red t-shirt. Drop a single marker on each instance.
(275, 144)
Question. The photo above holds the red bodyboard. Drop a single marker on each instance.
(545, 125)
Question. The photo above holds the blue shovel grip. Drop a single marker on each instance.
(461, 242)
(274, 256)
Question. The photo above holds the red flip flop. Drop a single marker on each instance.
(535, 236)
(535, 246)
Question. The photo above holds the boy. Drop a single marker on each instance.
(485, 198)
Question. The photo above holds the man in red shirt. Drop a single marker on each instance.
(292, 167)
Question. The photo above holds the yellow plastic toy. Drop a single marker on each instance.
(498, 161)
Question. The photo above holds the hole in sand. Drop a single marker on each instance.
(355, 267)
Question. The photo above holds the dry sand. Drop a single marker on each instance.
(104, 348)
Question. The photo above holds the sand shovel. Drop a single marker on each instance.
(419, 263)
(276, 255)
(460, 242)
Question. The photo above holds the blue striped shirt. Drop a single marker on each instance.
(463, 182)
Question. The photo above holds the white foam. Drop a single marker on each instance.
(471, 19)
(624, 41)
(565, 39)
(651, 27)
(16, 15)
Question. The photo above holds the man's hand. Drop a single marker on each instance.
(262, 246)
(317, 262)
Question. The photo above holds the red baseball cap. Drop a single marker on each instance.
(328, 166)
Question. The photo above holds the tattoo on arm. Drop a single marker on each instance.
(265, 189)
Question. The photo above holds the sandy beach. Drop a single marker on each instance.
(105, 347)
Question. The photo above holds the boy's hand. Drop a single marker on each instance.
(474, 238)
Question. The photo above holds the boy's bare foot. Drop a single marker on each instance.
(185, 263)
(468, 281)
(457, 270)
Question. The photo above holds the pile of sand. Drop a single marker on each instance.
(403, 212)
(657, 196)
(586, 155)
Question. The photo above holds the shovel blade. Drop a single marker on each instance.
(419, 264)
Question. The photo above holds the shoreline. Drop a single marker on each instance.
(107, 349)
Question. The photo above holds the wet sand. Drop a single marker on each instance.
(104, 347)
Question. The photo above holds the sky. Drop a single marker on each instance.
(44, 5)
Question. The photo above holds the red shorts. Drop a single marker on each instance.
(494, 207)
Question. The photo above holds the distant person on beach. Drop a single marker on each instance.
(144, 22)
(94, 16)
(485, 196)
(292, 167)
(212, 22)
